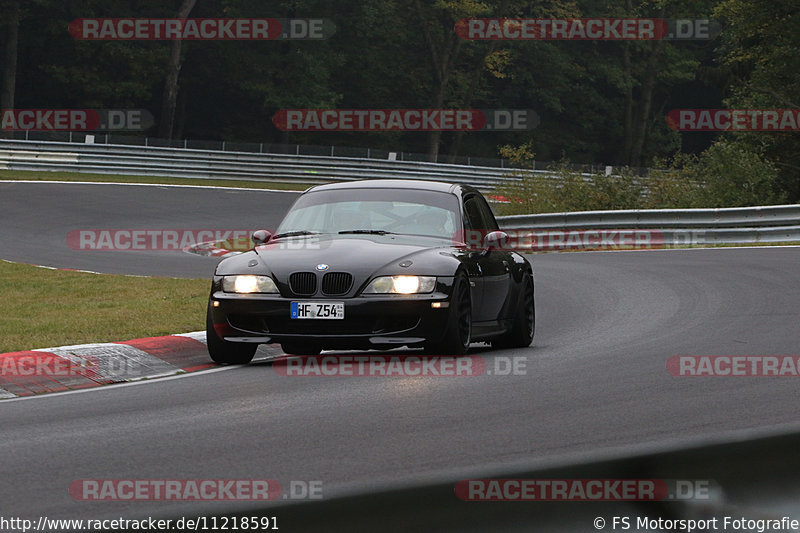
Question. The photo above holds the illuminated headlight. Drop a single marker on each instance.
(249, 284)
(401, 285)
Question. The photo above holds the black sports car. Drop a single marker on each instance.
(374, 264)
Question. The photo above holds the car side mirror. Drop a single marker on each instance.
(261, 236)
(495, 241)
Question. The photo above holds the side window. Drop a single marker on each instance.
(473, 218)
(478, 214)
(486, 214)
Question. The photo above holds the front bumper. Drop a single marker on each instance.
(370, 321)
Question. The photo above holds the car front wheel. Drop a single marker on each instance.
(222, 351)
(458, 333)
(524, 325)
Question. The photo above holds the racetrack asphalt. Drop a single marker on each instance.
(35, 219)
(595, 378)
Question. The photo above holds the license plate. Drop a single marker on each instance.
(325, 310)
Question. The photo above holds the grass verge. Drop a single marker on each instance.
(44, 308)
(114, 178)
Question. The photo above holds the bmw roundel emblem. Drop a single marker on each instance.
(322, 266)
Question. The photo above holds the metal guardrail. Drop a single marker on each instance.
(246, 166)
(669, 227)
(296, 149)
(728, 217)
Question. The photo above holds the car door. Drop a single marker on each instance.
(494, 266)
(472, 226)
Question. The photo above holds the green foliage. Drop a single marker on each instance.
(563, 189)
(736, 176)
(761, 47)
(673, 186)
(728, 174)
(725, 175)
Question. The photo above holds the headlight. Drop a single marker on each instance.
(249, 284)
(401, 285)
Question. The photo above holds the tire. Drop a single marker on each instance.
(458, 333)
(224, 352)
(297, 348)
(524, 325)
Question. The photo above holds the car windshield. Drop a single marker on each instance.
(374, 211)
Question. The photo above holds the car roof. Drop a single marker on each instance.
(421, 185)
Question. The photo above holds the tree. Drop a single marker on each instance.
(10, 14)
(444, 46)
(761, 47)
(170, 98)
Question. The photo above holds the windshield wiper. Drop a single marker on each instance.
(368, 232)
(295, 234)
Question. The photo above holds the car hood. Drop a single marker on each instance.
(355, 254)
(363, 256)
